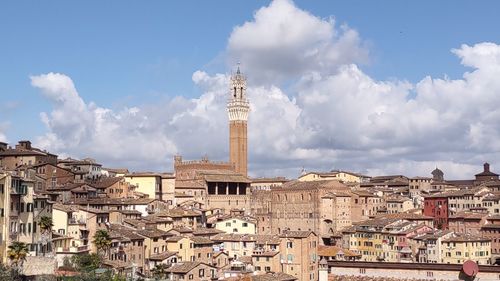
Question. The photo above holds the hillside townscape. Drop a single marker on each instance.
(74, 219)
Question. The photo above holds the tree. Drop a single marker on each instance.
(160, 271)
(45, 224)
(8, 273)
(17, 253)
(85, 262)
(102, 242)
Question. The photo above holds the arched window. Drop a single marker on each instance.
(234, 92)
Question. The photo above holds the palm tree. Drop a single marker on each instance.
(102, 242)
(17, 253)
(45, 224)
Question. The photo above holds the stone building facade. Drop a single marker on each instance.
(212, 184)
(319, 206)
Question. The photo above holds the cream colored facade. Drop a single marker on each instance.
(147, 183)
(20, 212)
(67, 223)
(398, 205)
(457, 250)
(236, 225)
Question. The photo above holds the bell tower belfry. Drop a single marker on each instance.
(237, 109)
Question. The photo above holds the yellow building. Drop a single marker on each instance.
(342, 176)
(147, 183)
(366, 238)
(71, 236)
(237, 225)
(190, 248)
(460, 248)
(398, 204)
(20, 211)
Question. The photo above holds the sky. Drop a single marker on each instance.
(377, 87)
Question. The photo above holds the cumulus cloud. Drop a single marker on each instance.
(84, 129)
(283, 42)
(330, 115)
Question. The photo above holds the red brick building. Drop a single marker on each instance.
(436, 206)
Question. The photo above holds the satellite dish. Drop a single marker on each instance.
(470, 268)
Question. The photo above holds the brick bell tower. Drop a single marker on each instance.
(237, 109)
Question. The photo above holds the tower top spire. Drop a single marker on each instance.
(238, 70)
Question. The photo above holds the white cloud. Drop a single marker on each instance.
(331, 115)
(283, 42)
(84, 129)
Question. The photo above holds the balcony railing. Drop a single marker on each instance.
(76, 221)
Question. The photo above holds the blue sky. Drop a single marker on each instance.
(128, 53)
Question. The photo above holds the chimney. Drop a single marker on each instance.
(486, 167)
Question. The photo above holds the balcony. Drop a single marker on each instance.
(76, 221)
(19, 190)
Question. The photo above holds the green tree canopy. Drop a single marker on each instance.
(102, 241)
(17, 253)
(45, 224)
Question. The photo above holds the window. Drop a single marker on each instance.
(289, 244)
(362, 270)
(22, 207)
(267, 268)
(201, 272)
(245, 224)
(228, 224)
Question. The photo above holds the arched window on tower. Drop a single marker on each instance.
(234, 92)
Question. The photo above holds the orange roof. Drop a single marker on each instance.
(332, 251)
